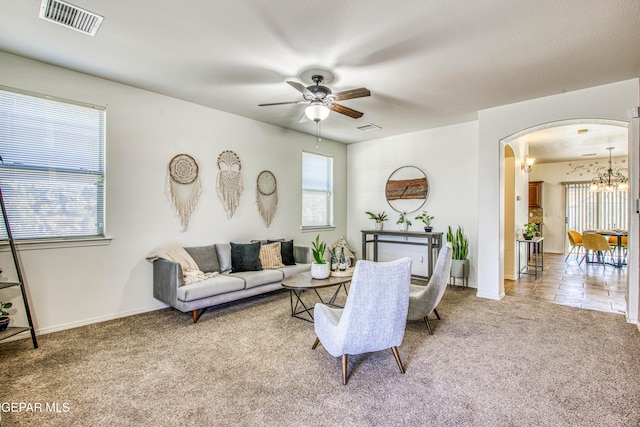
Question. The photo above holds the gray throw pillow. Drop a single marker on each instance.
(224, 256)
(245, 257)
(206, 258)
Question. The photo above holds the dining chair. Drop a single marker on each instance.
(575, 240)
(597, 243)
(374, 316)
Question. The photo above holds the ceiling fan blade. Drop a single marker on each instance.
(282, 103)
(301, 88)
(346, 111)
(350, 94)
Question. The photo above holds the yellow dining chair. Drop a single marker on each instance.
(575, 239)
(597, 243)
(613, 241)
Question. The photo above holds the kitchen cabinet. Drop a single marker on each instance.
(535, 194)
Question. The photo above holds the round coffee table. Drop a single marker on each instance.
(301, 282)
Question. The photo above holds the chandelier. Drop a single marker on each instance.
(609, 180)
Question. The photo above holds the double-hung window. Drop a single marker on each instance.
(317, 190)
(52, 166)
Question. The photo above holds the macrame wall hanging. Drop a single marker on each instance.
(267, 196)
(184, 186)
(230, 184)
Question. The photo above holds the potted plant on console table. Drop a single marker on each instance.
(4, 315)
(403, 222)
(379, 217)
(320, 269)
(530, 230)
(426, 219)
(459, 261)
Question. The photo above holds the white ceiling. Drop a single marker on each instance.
(427, 63)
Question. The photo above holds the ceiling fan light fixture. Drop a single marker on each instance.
(317, 112)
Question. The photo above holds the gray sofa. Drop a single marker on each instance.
(230, 285)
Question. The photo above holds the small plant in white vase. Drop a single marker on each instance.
(320, 269)
(380, 218)
(403, 222)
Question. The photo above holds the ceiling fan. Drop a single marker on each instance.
(321, 100)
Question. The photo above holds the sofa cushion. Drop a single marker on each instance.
(206, 258)
(292, 270)
(286, 251)
(223, 250)
(253, 279)
(220, 284)
(245, 257)
(270, 256)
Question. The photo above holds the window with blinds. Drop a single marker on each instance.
(595, 210)
(317, 190)
(52, 166)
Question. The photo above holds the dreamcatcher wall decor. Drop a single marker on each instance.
(267, 196)
(184, 186)
(230, 183)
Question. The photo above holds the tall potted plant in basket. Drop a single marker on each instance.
(320, 269)
(460, 243)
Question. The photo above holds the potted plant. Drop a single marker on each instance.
(4, 315)
(320, 269)
(403, 222)
(379, 218)
(459, 261)
(426, 219)
(530, 230)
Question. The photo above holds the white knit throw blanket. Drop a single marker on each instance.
(173, 252)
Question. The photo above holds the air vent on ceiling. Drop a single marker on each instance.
(368, 128)
(70, 16)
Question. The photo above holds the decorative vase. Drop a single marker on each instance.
(428, 229)
(320, 271)
(378, 225)
(4, 322)
(460, 268)
(403, 226)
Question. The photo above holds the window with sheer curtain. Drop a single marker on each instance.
(317, 190)
(52, 166)
(594, 210)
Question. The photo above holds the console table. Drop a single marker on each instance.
(533, 246)
(433, 242)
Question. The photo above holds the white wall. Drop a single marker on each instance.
(553, 196)
(73, 286)
(447, 155)
(613, 101)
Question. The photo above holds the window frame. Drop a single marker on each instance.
(69, 240)
(329, 194)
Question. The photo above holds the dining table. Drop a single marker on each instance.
(609, 233)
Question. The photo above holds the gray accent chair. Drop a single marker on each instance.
(374, 316)
(424, 299)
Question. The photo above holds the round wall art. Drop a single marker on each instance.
(407, 189)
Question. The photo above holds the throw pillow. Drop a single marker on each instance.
(286, 250)
(206, 258)
(245, 257)
(270, 256)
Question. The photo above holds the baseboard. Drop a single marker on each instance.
(491, 296)
(86, 322)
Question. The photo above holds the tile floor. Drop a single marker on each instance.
(591, 286)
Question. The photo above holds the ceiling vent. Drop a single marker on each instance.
(368, 128)
(70, 16)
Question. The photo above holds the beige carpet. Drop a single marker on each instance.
(514, 362)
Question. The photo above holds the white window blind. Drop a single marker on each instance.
(317, 190)
(595, 210)
(52, 168)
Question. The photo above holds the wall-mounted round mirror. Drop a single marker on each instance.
(407, 189)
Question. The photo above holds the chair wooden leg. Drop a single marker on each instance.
(426, 320)
(315, 344)
(397, 356)
(436, 313)
(345, 360)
